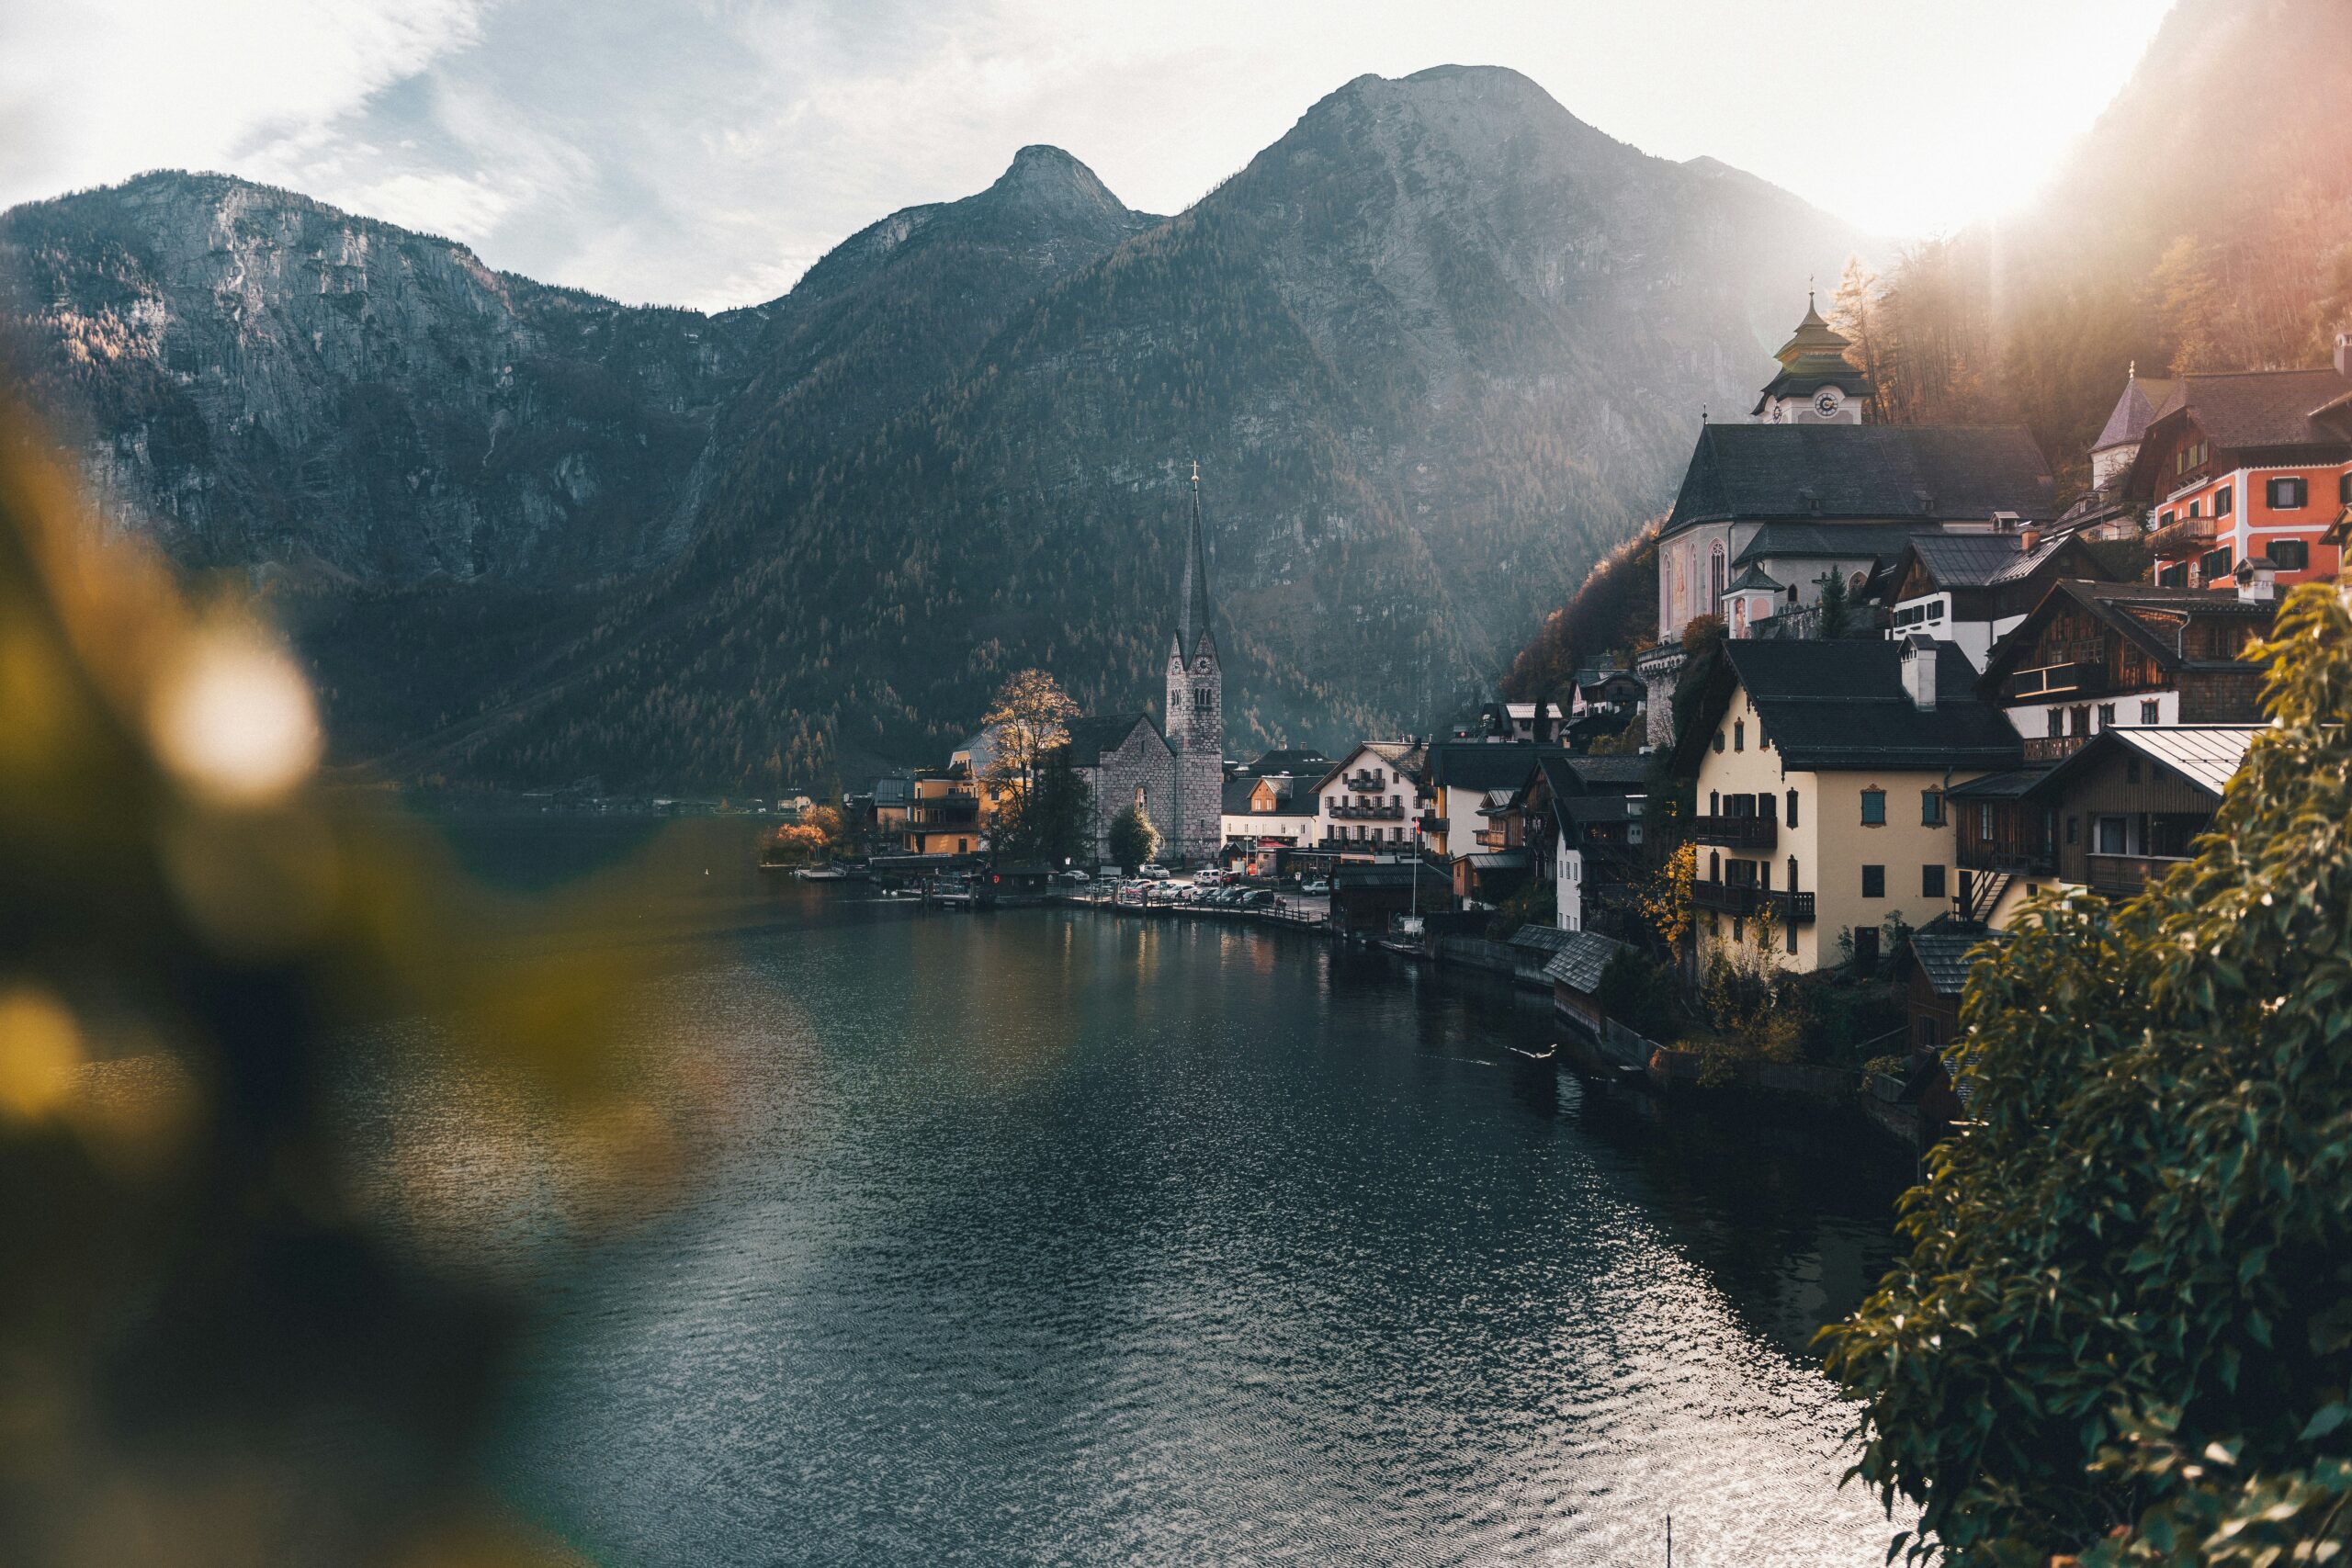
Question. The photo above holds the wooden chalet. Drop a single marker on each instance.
(2095, 656)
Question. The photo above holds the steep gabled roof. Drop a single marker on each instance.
(1842, 704)
(1985, 561)
(2263, 409)
(1831, 541)
(1407, 759)
(1090, 737)
(1862, 472)
(1943, 955)
(2154, 618)
(1305, 760)
(2142, 399)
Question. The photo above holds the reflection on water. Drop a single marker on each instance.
(1038, 1237)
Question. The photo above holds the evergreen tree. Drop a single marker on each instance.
(1134, 838)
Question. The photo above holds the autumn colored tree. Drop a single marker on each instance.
(2125, 1325)
(1029, 717)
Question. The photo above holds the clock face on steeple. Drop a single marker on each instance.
(1827, 401)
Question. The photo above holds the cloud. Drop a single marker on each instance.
(706, 152)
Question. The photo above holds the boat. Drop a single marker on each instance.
(822, 874)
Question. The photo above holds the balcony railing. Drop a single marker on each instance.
(1365, 783)
(1379, 811)
(2080, 677)
(1436, 825)
(2053, 747)
(963, 814)
(1736, 832)
(1495, 838)
(2122, 876)
(1977, 855)
(1745, 899)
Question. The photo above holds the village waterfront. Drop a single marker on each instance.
(1054, 1235)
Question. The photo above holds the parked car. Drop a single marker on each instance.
(1315, 888)
(1152, 873)
(1258, 898)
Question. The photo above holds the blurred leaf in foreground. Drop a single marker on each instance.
(214, 1348)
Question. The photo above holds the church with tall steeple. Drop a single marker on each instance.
(1196, 713)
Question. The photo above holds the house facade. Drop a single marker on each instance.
(2248, 467)
(2097, 656)
(1821, 789)
(1367, 805)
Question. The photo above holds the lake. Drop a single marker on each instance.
(1074, 1237)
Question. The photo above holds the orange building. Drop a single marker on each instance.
(2253, 466)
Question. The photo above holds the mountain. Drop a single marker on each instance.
(254, 378)
(2198, 225)
(1436, 349)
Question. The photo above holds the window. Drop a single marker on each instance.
(1739, 734)
(1793, 822)
(2287, 495)
(1873, 881)
(1200, 699)
(1866, 948)
(1984, 824)
(2107, 716)
(2111, 836)
(2074, 831)
(2150, 712)
(2344, 487)
(2166, 519)
(2173, 576)
(1714, 803)
(1931, 882)
(1873, 807)
(1719, 740)
(1929, 1032)
(2078, 720)
(1931, 808)
(2196, 509)
(2214, 564)
(2225, 499)
(2290, 555)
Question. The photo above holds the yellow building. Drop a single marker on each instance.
(1821, 787)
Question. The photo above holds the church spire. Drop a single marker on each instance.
(1193, 607)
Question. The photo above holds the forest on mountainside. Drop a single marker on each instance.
(2190, 232)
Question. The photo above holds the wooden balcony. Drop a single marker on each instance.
(2122, 876)
(2076, 678)
(2053, 747)
(2014, 859)
(1495, 838)
(1736, 832)
(1364, 783)
(1745, 899)
(1380, 811)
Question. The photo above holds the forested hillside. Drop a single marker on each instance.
(1436, 349)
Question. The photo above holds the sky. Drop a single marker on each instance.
(705, 152)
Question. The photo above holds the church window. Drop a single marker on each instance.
(1201, 699)
(1716, 578)
(1739, 734)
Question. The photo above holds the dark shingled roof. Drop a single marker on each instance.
(1292, 795)
(1541, 938)
(2012, 783)
(1831, 541)
(1580, 963)
(1942, 955)
(1090, 737)
(1760, 472)
(2264, 408)
(2136, 410)
(1301, 759)
(1842, 704)
(1981, 560)
(1483, 764)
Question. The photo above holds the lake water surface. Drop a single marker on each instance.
(1047, 1236)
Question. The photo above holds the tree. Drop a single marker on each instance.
(1054, 823)
(1030, 716)
(1133, 840)
(1853, 310)
(2124, 1325)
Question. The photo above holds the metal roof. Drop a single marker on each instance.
(1546, 939)
(2207, 754)
(1498, 860)
(1863, 472)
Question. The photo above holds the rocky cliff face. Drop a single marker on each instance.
(1437, 348)
(257, 379)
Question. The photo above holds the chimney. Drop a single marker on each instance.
(2029, 537)
(2257, 580)
(2343, 353)
(1919, 670)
